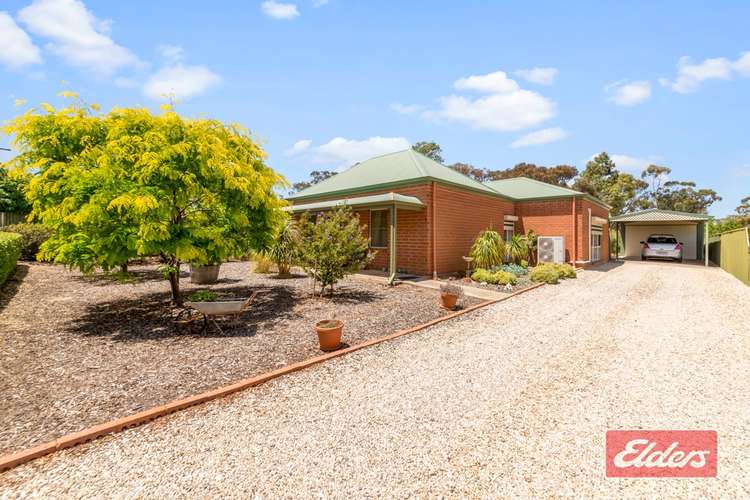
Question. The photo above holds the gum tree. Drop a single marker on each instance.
(131, 183)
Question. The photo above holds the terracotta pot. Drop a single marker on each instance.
(329, 334)
(204, 275)
(448, 301)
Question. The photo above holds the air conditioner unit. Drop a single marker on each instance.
(551, 249)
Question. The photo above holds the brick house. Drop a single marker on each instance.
(439, 212)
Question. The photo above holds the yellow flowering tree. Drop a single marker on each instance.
(132, 183)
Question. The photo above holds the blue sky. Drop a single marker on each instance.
(324, 84)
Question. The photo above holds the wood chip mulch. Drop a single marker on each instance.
(78, 351)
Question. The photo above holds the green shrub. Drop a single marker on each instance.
(332, 246)
(525, 264)
(545, 274)
(566, 270)
(482, 276)
(549, 272)
(203, 296)
(517, 248)
(488, 249)
(32, 236)
(10, 251)
(504, 278)
(494, 278)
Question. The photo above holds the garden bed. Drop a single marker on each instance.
(78, 351)
(523, 282)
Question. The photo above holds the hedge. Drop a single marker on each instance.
(32, 236)
(551, 273)
(10, 251)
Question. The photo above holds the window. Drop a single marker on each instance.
(379, 228)
(508, 231)
(667, 239)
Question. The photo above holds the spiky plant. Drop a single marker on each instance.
(488, 249)
(284, 250)
(517, 248)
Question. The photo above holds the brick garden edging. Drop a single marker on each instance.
(113, 426)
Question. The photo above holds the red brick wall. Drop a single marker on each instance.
(460, 217)
(555, 218)
(583, 237)
(548, 218)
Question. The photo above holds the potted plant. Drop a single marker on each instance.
(449, 295)
(204, 274)
(329, 334)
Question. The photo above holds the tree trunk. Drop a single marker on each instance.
(174, 285)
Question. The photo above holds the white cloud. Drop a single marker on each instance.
(180, 82)
(346, 152)
(539, 137)
(491, 83)
(624, 93)
(406, 109)
(76, 35)
(17, 48)
(631, 163)
(171, 53)
(506, 108)
(279, 10)
(742, 65)
(298, 147)
(541, 76)
(690, 76)
(502, 112)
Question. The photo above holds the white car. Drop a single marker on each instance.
(661, 246)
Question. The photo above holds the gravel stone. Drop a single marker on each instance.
(79, 351)
(511, 400)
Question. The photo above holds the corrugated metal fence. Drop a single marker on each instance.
(8, 218)
(731, 250)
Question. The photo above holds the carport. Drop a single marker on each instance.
(689, 229)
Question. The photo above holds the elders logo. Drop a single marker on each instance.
(661, 453)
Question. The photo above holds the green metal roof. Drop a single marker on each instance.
(523, 188)
(385, 199)
(656, 215)
(393, 169)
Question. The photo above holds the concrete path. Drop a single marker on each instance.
(513, 400)
(471, 291)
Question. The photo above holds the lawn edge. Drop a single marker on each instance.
(12, 460)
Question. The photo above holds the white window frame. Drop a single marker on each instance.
(596, 250)
(386, 227)
(508, 227)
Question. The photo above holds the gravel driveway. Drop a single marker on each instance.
(512, 400)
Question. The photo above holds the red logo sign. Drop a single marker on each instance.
(661, 453)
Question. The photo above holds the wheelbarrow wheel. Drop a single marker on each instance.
(188, 320)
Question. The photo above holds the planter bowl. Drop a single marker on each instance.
(329, 334)
(204, 275)
(448, 301)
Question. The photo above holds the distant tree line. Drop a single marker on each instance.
(601, 178)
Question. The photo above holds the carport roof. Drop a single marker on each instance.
(656, 215)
